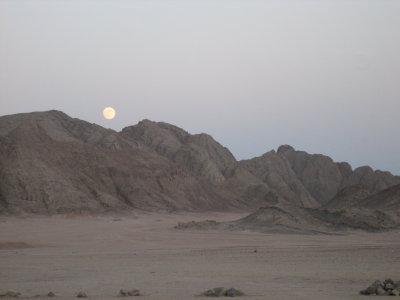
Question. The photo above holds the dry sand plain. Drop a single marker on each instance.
(102, 254)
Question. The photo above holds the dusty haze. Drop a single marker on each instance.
(319, 75)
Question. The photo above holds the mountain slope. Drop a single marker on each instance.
(324, 178)
(349, 196)
(52, 163)
(204, 157)
(388, 199)
(275, 171)
(77, 171)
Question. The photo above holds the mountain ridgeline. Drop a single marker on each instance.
(52, 163)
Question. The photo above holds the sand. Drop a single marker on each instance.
(102, 254)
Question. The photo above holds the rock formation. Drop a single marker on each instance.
(320, 177)
(52, 163)
(349, 196)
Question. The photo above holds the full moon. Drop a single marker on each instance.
(109, 113)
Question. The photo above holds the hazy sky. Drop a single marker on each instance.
(323, 76)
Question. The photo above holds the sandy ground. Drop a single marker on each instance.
(100, 255)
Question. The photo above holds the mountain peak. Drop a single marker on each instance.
(285, 148)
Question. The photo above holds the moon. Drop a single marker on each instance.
(109, 113)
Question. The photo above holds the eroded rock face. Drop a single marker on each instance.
(320, 175)
(275, 170)
(323, 178)
(375, 181)
(199, 153)
(52, 163)
(43, 174)
(205, 158)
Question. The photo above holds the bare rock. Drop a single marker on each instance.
(388, 283)
(202, 225)
(215, 292)
(380, 291)
(51, 294)
(277, 173)
(375, 181)
(232, 292)
(395, 292)
(389, 286)
(81, 295)
(123, 293)
(128, 293)
(11, 294)
(319, 174)
(372, 288)
(52, 163)
(134, 292)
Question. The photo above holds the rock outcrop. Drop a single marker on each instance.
(386, 288)
(222, 292)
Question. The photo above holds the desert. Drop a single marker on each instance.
(195, 149)
(156, 212)
(102, 254)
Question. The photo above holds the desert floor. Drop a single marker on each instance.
(100, 255)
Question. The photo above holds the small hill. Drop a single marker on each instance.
(388, 200)
(275, 219)
(349, 196)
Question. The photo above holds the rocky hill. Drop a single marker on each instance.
(297, 220)
(350, 196)
(52, 163)
(388, 200)
(320, 176)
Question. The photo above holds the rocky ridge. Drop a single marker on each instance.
(52, 163)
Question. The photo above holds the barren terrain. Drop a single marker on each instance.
(102, 254)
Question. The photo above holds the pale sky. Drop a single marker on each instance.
(322, 76)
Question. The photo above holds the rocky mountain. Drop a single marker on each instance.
(204, 157)
(275, 171)
(199, 153)
(320, 176)
(52, 163)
